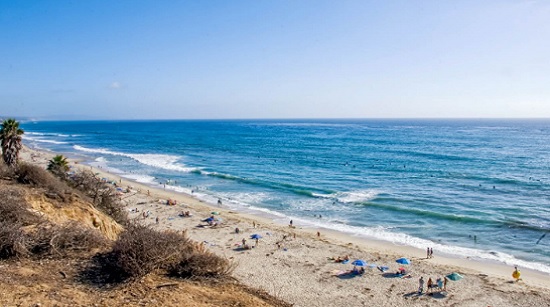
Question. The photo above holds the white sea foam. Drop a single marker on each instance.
(383, 233)
(47, 134)
(167, 162)
(140, 178)
(351, 196)
(33, 133)
(42, 140)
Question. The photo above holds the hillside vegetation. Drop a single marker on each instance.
(68, 242)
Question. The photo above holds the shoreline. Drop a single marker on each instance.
(331, 243)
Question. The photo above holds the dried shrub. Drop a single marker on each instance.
(140, 250)
(13, 241)
(203, 264)
(39, 177)
(102, 195)
(33, 174)
(6, 172)
(14, 209)
(68, 239)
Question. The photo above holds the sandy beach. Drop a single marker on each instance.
(294, 263)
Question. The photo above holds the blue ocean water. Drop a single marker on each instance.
(478, 188)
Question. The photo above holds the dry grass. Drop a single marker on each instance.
(70, 239)
(23, 233)
(39, 177)
(202, 265)
(14, 209)
(13, 241)
(6, 173)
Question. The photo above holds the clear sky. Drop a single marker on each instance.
(274, 59)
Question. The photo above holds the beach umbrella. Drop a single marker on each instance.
(210, 219)
(359, 262)
(454, 276)
(255, 236)
(215, 212)
(403, 261)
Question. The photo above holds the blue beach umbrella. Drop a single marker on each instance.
(359, 262)
(403, 261)
(255, 236)
(454, 276)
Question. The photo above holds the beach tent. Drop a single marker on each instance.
(403, 261)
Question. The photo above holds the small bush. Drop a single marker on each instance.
(203, 265)
(13, 241)
(39, 177)
(14, 209)
(6, 172)
(102, 195)
(67, 239)
(140, 250)
(33, 174)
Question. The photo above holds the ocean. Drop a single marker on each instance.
(476, 188)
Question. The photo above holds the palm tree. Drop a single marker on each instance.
(10, 135)
(59, 165)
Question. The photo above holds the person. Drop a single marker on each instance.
(431, 252)
(256, 244)
(237, 230)
(219, 202)
(427, 253)
(445, 283)
(430, 284)
(516, 274)
(318, 234)
(244, 242)
(290, 223)
(421, 285)
(253, 224)
(157, 220)
(439, 284)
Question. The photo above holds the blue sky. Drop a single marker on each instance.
(274, 59)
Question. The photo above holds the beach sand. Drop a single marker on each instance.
(299, 270)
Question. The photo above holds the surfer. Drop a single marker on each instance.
(544, 235)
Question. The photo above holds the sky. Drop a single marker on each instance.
(274, 59)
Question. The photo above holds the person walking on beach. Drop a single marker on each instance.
(290, 223)
(421, 285)
(431, 252)
(427, 252)
(516, 274)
